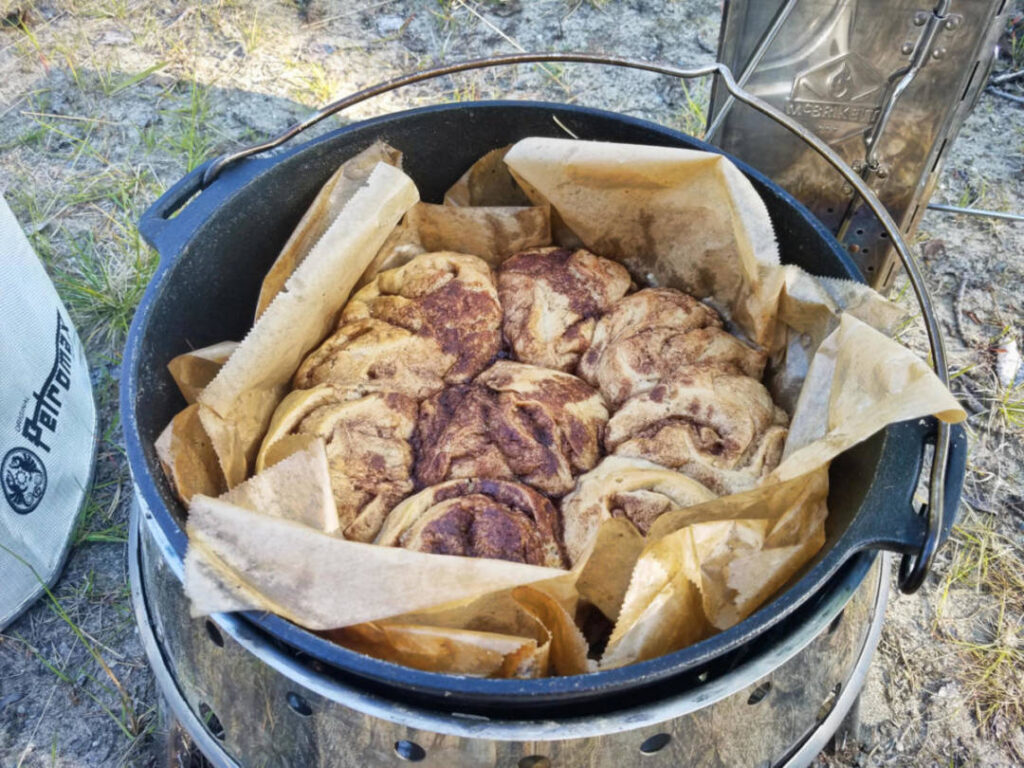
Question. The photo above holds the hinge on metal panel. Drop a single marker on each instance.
(924, 49)
(920, 52)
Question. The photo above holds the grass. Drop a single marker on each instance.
(114, 87)
(103, 9)
(98, 523)
(313, 85)
(978, 191)
(553, 71)
(103, 288)
(1014, 38)
(189, 137)
(1010, 406)
(30, 36)
(253, 33)
(991, 648)
(128, 721)
(465, 89)
(693, 117)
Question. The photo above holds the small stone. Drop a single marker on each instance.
(388, 25)
(114, 37)
(1008, 363)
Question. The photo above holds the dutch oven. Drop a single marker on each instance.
(217, 241)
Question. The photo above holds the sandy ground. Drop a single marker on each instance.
(105, 103)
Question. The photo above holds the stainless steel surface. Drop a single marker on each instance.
(887, 83)
(912, 569)
(919, 55)
(849, 694)
(275, 710)
(976, 211)
(769, 36)
(166, 684)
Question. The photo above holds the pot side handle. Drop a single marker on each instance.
(159, 223)
(896, 524)
(169, 223)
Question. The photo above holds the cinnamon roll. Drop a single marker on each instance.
(637, 490)
(478, 517)
(516, 422)
(721, 429)
(551, 299)
(653, 334)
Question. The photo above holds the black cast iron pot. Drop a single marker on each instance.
(215, 251)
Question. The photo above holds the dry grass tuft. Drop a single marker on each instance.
(989, 564)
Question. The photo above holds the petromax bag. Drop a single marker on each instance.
(47, 424)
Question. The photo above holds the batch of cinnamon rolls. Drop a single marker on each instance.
(488, 413)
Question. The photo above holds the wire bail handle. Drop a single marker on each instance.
(913, 567)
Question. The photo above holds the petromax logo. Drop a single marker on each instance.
(839, 98)
(48, 401)
(23, 477)
(22, 471)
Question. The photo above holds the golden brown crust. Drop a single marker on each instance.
(447, 297)
(631, 488)
(551, 299)
(721, 429)
(650, 336)
(372, 356)
(514, 421)
(424, 332)
(369, 457)
(478, 517)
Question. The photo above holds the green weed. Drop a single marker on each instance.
(253, 33)
(104, 287)
(135, 79)
(188, 136)
(94, 525)
(313, 86)
(693, 117)
(1009, 404)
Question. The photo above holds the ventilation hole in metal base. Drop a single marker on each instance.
(834, 625)
(211, 721)
(410, 750)
(860, 231)
(760, 692)
(214, 633)
(534, 761)
(655, 743)
(299, 704)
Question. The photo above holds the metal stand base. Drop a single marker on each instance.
(243, 701)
